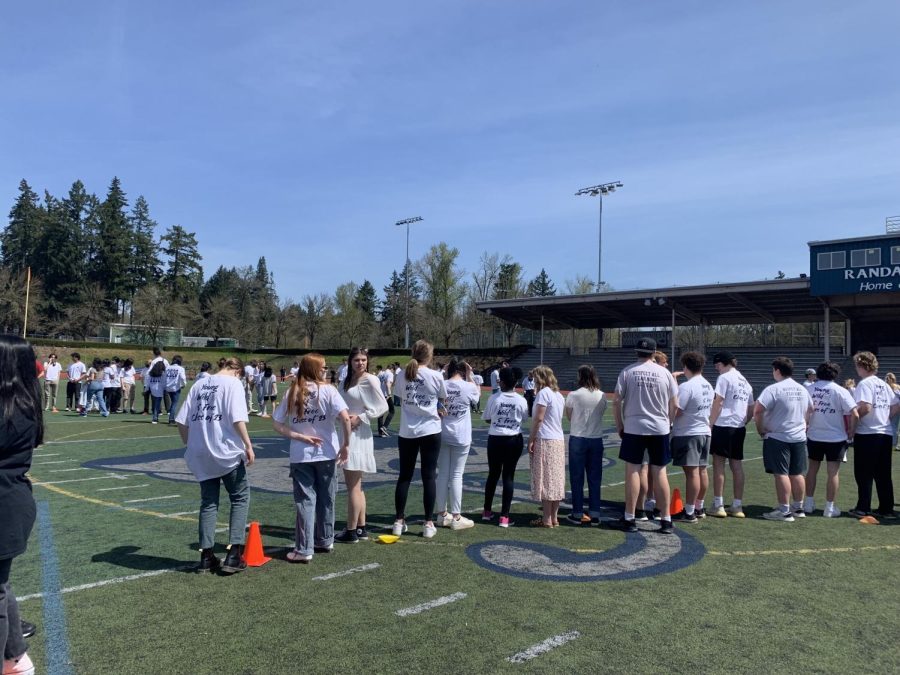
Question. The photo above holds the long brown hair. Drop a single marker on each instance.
(356, 351)
(310, 373)
(422, 353)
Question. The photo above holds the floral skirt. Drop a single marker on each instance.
(548, 470)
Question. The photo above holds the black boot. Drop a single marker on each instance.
(208, 561)
(234, 560)
(28, 629)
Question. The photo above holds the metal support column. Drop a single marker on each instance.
(542, 339)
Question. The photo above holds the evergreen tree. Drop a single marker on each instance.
(366, 299)
(21, 239)
(184, 274)
(113, 247)
(393, 308)
(61, 266)
(144, 265)
(541, 286)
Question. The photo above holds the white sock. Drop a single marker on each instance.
(717, 502)
(796, 506)
(629, 516)
(736, 503)
(689, 509)
(785, 508)
(809, 502)
(698, 504)
(649, 504)
(829, 505)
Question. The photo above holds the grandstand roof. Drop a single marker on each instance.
(776, 301)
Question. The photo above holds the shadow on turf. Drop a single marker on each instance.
(128, 556)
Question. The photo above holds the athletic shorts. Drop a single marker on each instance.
(728, 442)
(634, 445)
(784, 459)
(690, 450)
(829, 451)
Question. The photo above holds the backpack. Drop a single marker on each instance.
(157, 369)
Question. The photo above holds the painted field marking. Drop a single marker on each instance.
(809, 551)
(105, 582)
(77, 468)
(543, 647)
(85, 433)
(47, 454)
(352, 570)
(115, 505)
(78, 480)
(55, 461)
(54, 615)
(123, 487)
(149, 499)
(431, 604)
(670, 473)
(183, 513)
(110, 440)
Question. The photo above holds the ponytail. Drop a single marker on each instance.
(309, 370)
(422, 353)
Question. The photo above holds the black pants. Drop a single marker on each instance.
(529, 399)
(430, 447)
(503, 454)
(385, 420)
(146, 400)
(12, 644)
(73, 394)
(872, 461)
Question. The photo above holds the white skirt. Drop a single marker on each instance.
(362, 450)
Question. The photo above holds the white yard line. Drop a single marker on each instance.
(77, 468)
(543, 647)
(55, 461)
(123, 487)
(48, 454)
(109, 440)
(105, 582)
(431, 604)
(182, 513)
(78, 480)
(352, 570)
(149, 499)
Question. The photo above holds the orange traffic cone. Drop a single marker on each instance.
(677, 505)
(253, 549)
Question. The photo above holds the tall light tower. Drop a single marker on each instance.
(599, 191)
(407, 222)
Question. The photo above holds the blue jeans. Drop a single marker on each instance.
(95, 391)
(315, 486)
(238, 489)
(173, 404)
(585, 455)
(156, 407)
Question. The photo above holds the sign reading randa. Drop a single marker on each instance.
(883, 278)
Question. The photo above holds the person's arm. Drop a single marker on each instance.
(851, 421)
(241, 428)
(673, 409)
(617, 415)
(286, 431)
(864, 409)
(758, 414)
(183, 430)
(537, 419)
(716, 409)
(344, 451)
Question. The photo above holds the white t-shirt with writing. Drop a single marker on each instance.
(456, 425)
(175, 378)
(418, 400)
(109, 374)
(52, 371)
(322, 407)
(210, 411)
(737, 399)
(128, 374)
(695, 399)
(76, 370)
(386, 378)
(878, 394)
(586, 410)
(645, 389)
(505, 411)
(551, 427)
(831, 403)
(495, 380)
(786, 404)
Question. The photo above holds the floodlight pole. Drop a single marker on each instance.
(599, 191)
(407, 222)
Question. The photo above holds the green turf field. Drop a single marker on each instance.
(817, 595)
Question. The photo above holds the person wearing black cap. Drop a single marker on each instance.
(732, 409)
(644, 408)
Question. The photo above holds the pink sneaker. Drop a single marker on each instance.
(23, 666)
(487, 515)
(505, 521)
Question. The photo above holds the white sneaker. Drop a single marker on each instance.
(833, 512)
(443, 520)
(779, 515)
(23, 666)
(809, 505)
(735, 511)
(429, 531)
(399, 527)
(461, 523)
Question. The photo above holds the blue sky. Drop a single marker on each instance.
(302, 131)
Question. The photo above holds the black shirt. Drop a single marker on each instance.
(17, 510)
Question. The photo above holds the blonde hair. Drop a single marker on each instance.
(231, 363)
(891, 381)
(422, 353)
(660, 358)
(867, 361)
(544, 377)
(309, 373)
(849, 382)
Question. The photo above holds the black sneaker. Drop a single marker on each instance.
(325, 549)
(347, 537)
(666, 527)
(28, 629)
(683, 517)
(887, 515)
(700, 513)
(595, 521)
(622, 524)
(362, 534)
(655, 514)
(641, 515)
(208, 562)
(234, 560)
(574, 518)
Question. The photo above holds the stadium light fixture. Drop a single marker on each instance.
(407, 222)
(599, 191)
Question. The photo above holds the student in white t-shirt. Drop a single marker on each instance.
(833, 422)
(781, 414)
(495, 374)
(875, 402)
(420, 389)
(213, 425)
(528, 390)
(456, 439)
(127, 376)
(547, 447)
(52, 369)
(691, 435)
(584, 410)
(505, 412)
(479, 382)
(155, 382)
(176, 378)
(307, 416)
(76, 374)
(250, 384)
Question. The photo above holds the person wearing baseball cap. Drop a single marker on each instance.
(644, 408)
(732, 409)
(811, 378)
